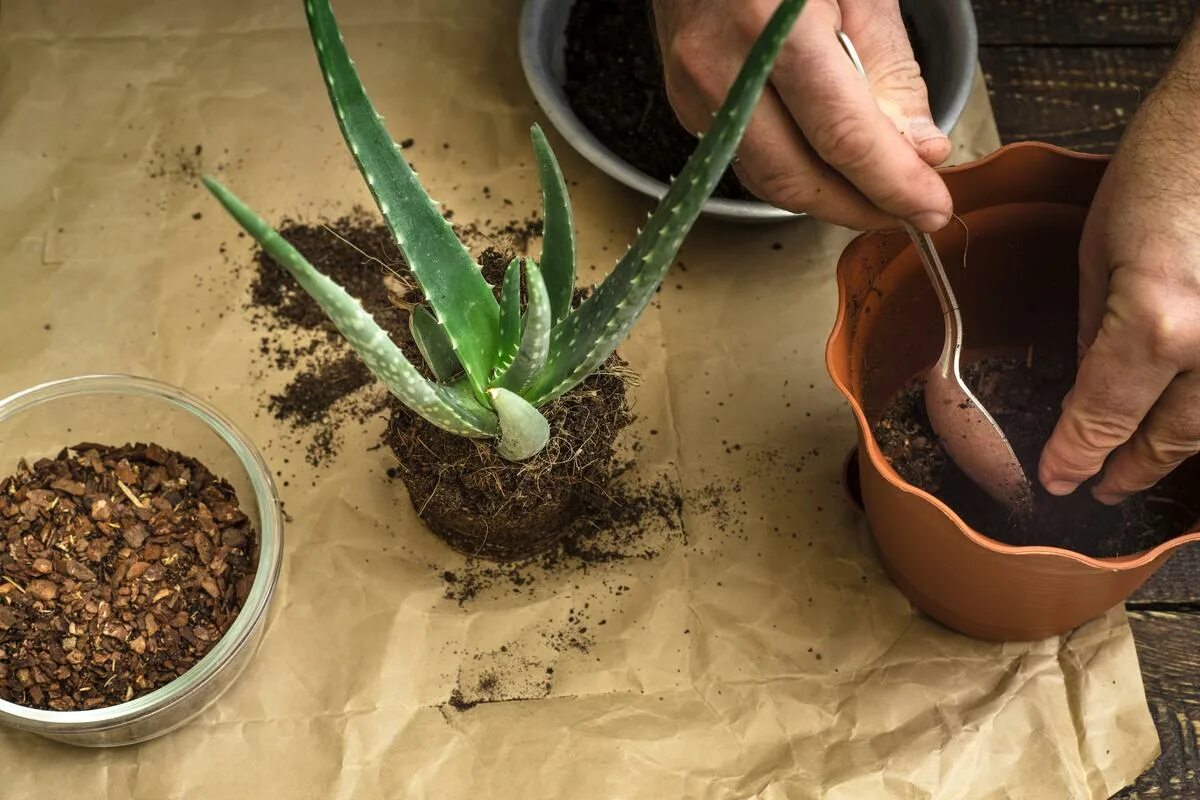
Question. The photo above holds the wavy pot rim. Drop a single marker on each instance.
(875, 454)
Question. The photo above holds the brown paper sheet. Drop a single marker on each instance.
(767, 657)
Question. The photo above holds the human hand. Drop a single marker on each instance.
(1136, 400)
(823, 140)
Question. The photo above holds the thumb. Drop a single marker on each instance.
(895, 76)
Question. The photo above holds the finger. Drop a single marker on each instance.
(777, 165)
(839, 117)
(1117, 384)
(877, 30)
(774, 161)
(1169, 435)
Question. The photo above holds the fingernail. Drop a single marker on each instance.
(1061, 488)
(930, 221)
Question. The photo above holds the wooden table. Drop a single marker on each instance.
(1072, 72)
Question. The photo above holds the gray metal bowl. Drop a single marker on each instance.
(946, 27)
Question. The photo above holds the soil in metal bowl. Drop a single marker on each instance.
(1025, 396)
(121, 568)
(615, 85)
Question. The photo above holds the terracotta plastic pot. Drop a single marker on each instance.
(1024, 206)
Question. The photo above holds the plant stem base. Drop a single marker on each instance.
(487, 507)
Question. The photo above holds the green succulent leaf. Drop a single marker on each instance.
(589, 335)
(558, 241)
(434, 344)
(448, 275)
(523, 429)
(453, 408)
(535, 341)
(510, 316)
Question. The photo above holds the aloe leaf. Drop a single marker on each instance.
(451, 408)
(510, 316)
(448, 275)
(523, 429)
(535, 341)
(589, 335)
(434, 344)
(558, 241)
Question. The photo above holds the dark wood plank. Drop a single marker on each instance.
(1167, 647)
(1176, 584)
(1080, 98)
(1076, 22)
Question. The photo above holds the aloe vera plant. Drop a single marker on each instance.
(493, 363)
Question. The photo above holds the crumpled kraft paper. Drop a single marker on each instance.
(768, 656)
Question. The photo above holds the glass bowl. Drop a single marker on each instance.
(115, 409)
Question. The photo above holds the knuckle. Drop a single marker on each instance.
(750, 21)
(788, 192)
(843, 142)
(900, 74)
(1167, 450)
(1166, 331)
(1094, 435)
(1165, 319)
(750, 17)
(683, 58)
(689, 70)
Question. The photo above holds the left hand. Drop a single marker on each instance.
(1136, 400)
(823, 140)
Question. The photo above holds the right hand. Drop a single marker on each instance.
(1134, 412)
(823, 140)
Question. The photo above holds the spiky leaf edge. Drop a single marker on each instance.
(558, 239)
(535, 341)
(590, 334)
(452, 408)
(448, 275)
(510, 316)
(435, 346)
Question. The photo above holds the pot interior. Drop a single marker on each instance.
(1017, 287)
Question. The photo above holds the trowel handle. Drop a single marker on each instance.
(948, 363)
(923, 242)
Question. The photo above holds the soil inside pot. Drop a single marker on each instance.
(1025, 397)
(614, 83)
(121, 568)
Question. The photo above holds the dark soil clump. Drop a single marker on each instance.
(615, 84)
(121, 568)
(628, 520)
(354, 251)
(485, 506)
(1025, 397)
